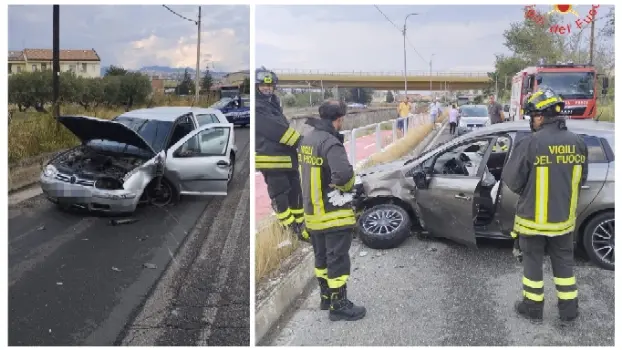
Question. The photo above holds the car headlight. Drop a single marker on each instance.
(130, 174)
(50, 171)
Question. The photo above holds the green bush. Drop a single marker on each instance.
(34, 89)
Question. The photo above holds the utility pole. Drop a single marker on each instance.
(55, 60)
(432, 55)
(592, 29)
(405, 71)
(197, 77)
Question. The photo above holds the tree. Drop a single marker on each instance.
(207, 81)
(609, 29)
(390, 97)
(185, 87)
(328, 93)
(359, 95)
(246, 86)
(115, 71)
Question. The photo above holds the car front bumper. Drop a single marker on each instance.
(90, 198)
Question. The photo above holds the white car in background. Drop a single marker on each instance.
(472, 117)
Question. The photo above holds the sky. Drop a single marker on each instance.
(359, 38)
(141, 35)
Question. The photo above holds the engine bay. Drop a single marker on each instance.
(88, 163)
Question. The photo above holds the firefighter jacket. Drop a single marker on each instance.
(326, 177)
(275, 140)
(547, 170)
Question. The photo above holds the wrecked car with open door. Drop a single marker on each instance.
(143, 156)
(455, 191)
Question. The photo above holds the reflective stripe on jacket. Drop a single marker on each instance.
(547, 170)
(275, 139)
(324, 162)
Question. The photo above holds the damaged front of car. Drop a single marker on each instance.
(108, 172)
(385, 205)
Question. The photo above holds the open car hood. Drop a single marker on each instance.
(383, 168)
(89, 128)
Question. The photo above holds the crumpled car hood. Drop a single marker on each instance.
(381, 169)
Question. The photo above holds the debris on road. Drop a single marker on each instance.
(362, 254)
(41, 228)
(150, 266)
(116, 269)
(116, 222)
(432, 249)
(59, 283)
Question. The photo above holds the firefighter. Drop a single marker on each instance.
(327, 179)
(547, 170)
(275, 154)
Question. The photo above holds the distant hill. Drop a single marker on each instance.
(169, 71)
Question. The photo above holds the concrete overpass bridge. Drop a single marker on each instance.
(417, 80)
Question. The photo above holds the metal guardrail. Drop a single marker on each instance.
(383, 73)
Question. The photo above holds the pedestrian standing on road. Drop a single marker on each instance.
(453, 119)
(495, 110)
(435, 110)
(327, 179)
(275, 154)
(403, 109)
(547, 170)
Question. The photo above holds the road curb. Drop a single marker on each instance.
(283, 294)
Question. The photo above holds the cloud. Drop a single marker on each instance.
(136, 36)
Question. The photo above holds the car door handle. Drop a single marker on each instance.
(222, 163)
(462, 196)
(585, 187)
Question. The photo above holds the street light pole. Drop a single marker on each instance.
(197, 77)
(432, 55)
(405, 72)
(55, 60)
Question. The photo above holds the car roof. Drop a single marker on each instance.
(575, 125)
(167, 113)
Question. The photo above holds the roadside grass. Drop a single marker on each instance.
(272, 245)
(608, 111)
(270, 249)
(32, 133)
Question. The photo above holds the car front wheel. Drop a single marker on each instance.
(599, 240)
(384, 226)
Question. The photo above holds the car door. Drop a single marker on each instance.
(446, 206)
(200, 161)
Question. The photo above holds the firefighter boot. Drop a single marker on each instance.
(343, 309)
(324, 294)
(530, 309)
(568, 309)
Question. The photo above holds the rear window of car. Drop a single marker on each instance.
(595, 151)
(203, 119)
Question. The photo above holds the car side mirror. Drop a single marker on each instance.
(421, 180)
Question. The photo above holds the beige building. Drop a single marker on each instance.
(85, 63)
(236, 78)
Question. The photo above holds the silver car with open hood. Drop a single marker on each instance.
(147, 155)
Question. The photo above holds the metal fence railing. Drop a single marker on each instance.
(366, 140)
(480, 74)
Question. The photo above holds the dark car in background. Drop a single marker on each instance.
(236, 109)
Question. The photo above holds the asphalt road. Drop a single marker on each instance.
(431, 292)
(75, 280)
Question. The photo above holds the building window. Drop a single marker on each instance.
(34, 67)
(19, 69)
(84, 67)
(72, 67)
(44, 66)
(10, 68)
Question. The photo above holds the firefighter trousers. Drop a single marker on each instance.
(286, 195)
(560, 250)
(332, 256)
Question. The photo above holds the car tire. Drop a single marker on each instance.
(232, 171)
(373, 236)
(600, 225)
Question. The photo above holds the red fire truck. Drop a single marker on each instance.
(575, 83)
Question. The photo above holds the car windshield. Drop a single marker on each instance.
(155, 132)
(246, 102)
(474, 112)
(569, 84)
(222, 103)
